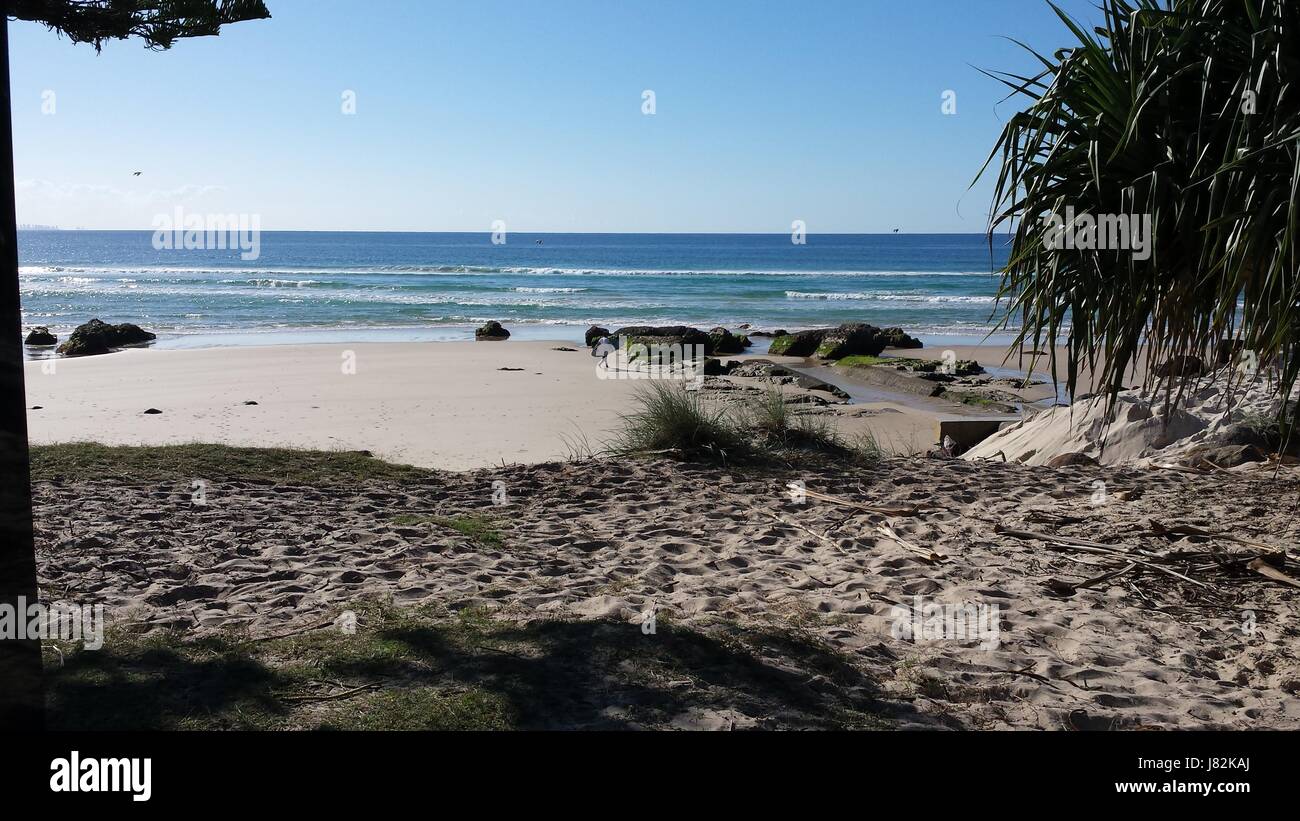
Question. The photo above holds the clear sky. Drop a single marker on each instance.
(531, 113)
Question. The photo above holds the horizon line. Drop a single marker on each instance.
(60, 229)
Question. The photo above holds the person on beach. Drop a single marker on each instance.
(603, 348)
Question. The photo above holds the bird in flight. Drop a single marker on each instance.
(136, 174)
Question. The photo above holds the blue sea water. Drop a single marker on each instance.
(363, 285)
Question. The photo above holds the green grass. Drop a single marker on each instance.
(88, 460)
(424, 709)
(480, 529)
(430, 668)
(781, 428)
(670, 418)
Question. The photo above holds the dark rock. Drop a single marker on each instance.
(152, 411)
(510, 369)
(491, 332)
(714, 367)
(934, 368)
(96, 337)
(41, 335)
(593, 335)
(250, 402)
(36, 407)
(1226, 456)
(564, 349)
(849, 339)
(800, 343)
(724, 341)
(1065, 459)
(761, 369)
(1243, 434)
(852, 339)
(895, 338)
(662, 335)
(780, 375)
(1181, 366)
(812, 383)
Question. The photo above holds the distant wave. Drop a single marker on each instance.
(888, 297)
(275, 283)
(468, 270)
(549, 290)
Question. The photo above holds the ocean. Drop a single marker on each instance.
(328, 286)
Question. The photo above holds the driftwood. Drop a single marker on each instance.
(1267, 570)
(827, 539)
(1097, 547)
(296, 632)
(907, 510)
(1070, 588)
(1160, 529)
(930, 556)
(332, 696)
(1180, 468)
(1093, 547)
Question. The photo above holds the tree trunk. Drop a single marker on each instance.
(21, 694)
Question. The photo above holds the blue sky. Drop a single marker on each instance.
(531, 113)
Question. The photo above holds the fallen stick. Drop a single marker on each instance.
(333, 696)
(1180, 468)
(880, 511)
(1267, 570)
(1051, 537)
(1160, 529)
(827, 539)
(1096, 547)
(928, 555)
(1070, 588)
(299, 631)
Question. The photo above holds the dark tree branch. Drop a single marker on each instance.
(158, 22)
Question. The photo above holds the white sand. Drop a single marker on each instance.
(433, 404)
(1141, 428)
(439, 404)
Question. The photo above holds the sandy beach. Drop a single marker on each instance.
(519, 524)
(596, 545)
(446, 405)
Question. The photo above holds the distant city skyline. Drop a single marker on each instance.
(855, 118)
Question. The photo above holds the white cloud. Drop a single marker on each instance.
(101, 206)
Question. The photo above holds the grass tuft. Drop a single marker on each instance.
(671, 418)
(482, 530)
